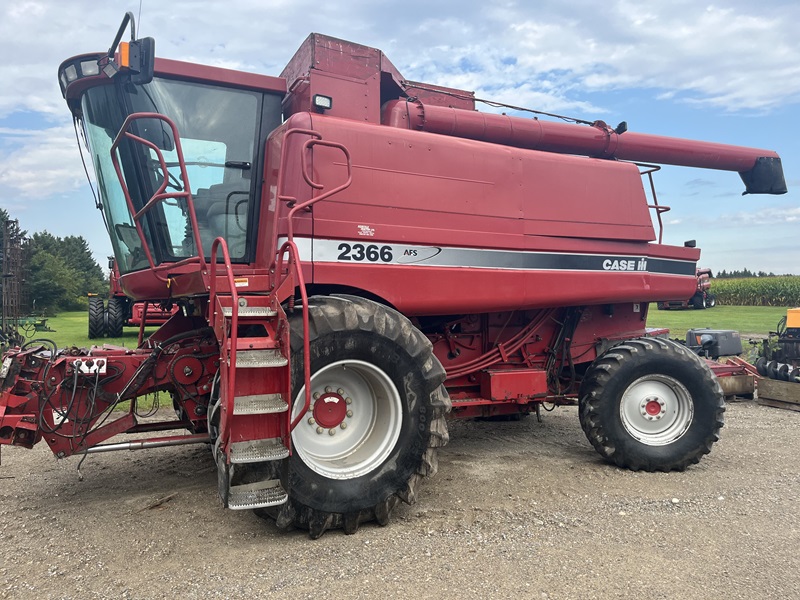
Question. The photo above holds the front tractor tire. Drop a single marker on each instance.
(377, 420)
(651, 405)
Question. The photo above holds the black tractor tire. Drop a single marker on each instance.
(650, 404)
(698, 301)
(341, 482)
(116, 317)
(712, 301)
(97, 318)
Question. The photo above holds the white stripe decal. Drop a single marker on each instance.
(359, 252)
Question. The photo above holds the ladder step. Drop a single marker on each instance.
(256, 495)
(252, 359)
(260, 404)
(250, 311)
(258, 451)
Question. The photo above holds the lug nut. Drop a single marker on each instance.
(328, 389)
(316, 396)
(311, 421)
(342, 425)
(331, 432)
(340, 391)
(349, 413)
(348, 400)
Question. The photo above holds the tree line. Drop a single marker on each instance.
(743, 274)
(57, 273)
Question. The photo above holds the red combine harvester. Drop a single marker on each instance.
(702, 297)
(121, 311)
(355, 256)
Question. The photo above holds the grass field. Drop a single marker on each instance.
(747, 320)
(71, 328)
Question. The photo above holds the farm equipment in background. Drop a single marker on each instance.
(702, 297)
(780, 353)
(355, 256)
(120, 311)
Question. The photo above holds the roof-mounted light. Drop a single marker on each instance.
(89, 67)
(71, 73)
(322, 102)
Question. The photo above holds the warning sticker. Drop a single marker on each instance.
(240, 282)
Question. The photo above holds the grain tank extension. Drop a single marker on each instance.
(355, 259)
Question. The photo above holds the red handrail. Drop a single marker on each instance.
(649, 170)
(212, 305)
(160, 194)
(289, 247)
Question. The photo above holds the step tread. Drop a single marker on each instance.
(251, 451)
(259, 404)
(253, 359)
(257, 495)
(250, 311)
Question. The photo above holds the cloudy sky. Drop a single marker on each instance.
(726, 72)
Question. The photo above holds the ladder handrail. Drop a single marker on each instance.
(659, 208)
(294, 260)
(293, 267)
(233, 338)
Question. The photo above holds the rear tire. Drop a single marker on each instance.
(652, 405)
(97, 318)
(373, 356)
(116, 317)
(712, 301)
(698, 301)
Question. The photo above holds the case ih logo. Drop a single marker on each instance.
(625, 265)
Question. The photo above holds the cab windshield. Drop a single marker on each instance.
(219, 131)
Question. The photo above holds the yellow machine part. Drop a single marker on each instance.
(793, 317)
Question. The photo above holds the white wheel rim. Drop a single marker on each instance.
(656, 410)
(368, 431)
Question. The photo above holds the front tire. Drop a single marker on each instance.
(651, 405)
(378, 416)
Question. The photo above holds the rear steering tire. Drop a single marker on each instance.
(116, 317)
(651, 405)
(378, 416)
(97, 319)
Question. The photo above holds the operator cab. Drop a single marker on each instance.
(223, 119)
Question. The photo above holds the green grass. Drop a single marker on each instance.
(72, 329)
(747, 320)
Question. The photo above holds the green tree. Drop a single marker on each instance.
(62, 271)
(52, 284)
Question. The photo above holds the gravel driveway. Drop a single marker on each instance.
(518, 509)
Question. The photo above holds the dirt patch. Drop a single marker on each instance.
(517, 509)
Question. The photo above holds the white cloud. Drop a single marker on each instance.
(37, 164)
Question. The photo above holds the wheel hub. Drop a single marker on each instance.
(653, 408)
(330, 410)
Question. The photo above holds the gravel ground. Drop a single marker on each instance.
(518, 509)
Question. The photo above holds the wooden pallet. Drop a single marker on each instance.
(779, 394)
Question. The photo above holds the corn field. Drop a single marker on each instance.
(758, 291)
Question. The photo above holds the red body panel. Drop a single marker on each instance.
(489, 206)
